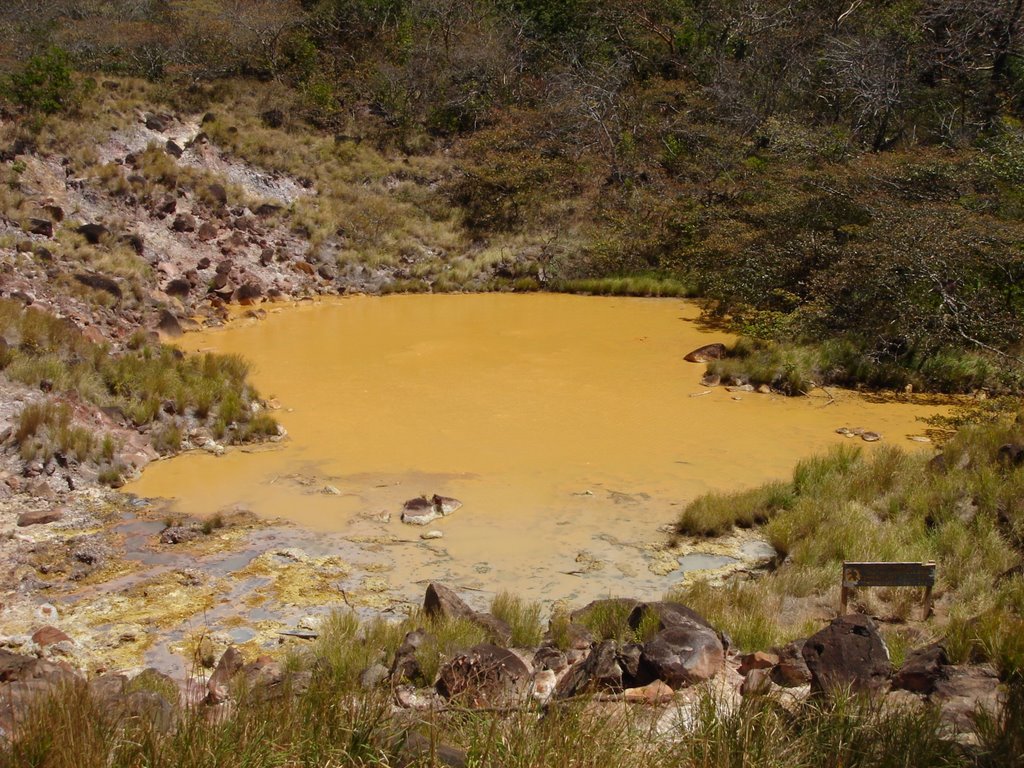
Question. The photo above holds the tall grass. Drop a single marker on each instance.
(886, 505)
(324, 726)
(521, 615)
(43, 350)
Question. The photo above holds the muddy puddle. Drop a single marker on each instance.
(570, 428)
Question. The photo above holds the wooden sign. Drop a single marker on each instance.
(888, 575)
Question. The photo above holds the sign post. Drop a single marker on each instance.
(888, 575)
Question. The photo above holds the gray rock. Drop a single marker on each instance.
(683, 655)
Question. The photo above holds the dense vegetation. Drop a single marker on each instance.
(842, 171)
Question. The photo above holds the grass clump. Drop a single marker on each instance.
(965, 513)
(522, 616)
(715, 514)
(146, 381)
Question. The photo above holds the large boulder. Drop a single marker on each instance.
(707, 353)
(485, 676)
(684, 655)
(849, 652)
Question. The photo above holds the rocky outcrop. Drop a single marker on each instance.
(848, 653)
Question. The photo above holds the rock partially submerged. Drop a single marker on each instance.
(707, 353)
(423, 510)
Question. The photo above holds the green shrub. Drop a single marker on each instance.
(43, 84)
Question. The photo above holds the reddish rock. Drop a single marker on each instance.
(40, 516)
(45, 636)
(757, 660)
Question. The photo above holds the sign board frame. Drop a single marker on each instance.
(887, 574)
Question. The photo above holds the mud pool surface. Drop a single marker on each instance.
(570, 427)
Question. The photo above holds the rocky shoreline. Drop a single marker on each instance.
(667, 659)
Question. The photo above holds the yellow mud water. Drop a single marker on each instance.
(570, 427)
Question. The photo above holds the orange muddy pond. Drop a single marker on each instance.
(570, 428)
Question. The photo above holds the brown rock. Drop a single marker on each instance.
(922, 669)
(485, 676)
(599, 672)
(443, 602)
(707, 353)
(757, 660)
(791, 671)
(40, 517)
(45, 636)
(42, 227)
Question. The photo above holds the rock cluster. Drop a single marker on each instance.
(673, 651)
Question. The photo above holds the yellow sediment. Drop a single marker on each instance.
(557, 420)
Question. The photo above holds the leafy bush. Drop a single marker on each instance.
(43, 84)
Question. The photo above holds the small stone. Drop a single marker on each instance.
(330, 490)
(653, 693)
(870, 437)
(431, 535)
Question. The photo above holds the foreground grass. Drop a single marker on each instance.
(965, 512)
(327, 726)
